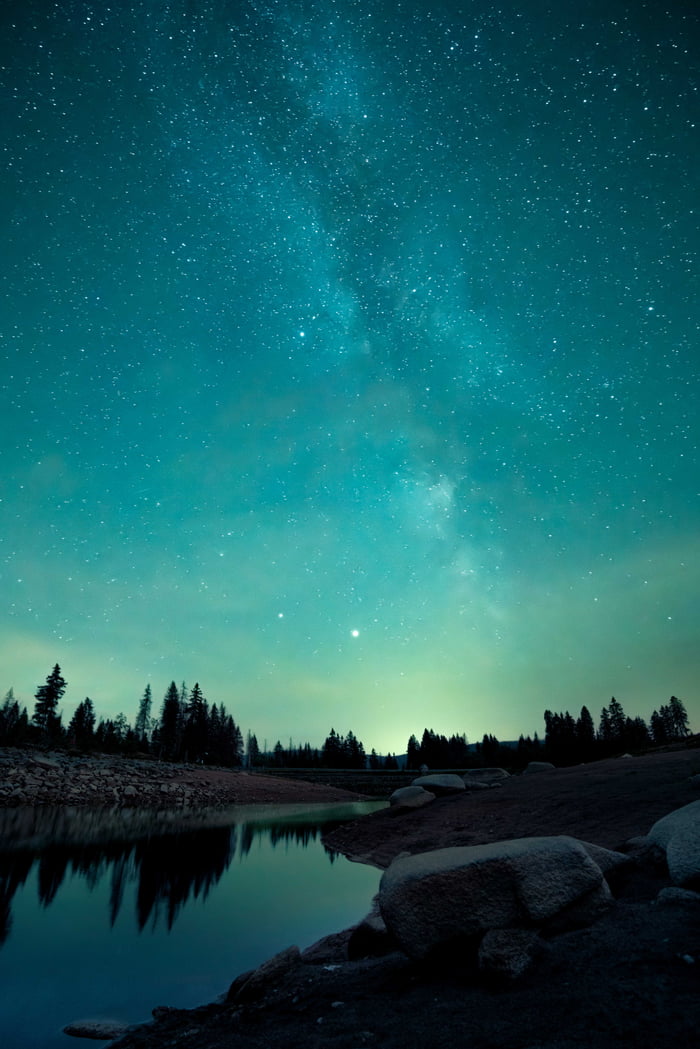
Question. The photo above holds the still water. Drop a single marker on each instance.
(107, 915)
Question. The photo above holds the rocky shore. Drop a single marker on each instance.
(34, 777)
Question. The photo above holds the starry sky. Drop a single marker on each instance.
(350, 359)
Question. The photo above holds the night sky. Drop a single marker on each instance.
(350, 359)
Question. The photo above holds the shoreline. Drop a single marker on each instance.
(639, 952)
(42, 778)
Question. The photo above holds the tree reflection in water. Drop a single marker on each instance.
(167, 869)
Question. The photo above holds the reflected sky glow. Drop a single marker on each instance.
(113, 929)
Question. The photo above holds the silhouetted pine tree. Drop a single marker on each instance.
(142, 724)
(81, 727)
(585, 735)
(617, 722)
(332, 751)
(679, 717)
(47, 697)
(605, 734)
(560, 741)
(528, 749)
(412, 753)
(14, 723)
(195, 732)
(354, 752)
(636, 734)
(169, 725)
(252, 751)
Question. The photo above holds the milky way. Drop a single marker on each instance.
(350, 359)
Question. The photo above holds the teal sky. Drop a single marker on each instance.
(350, 359)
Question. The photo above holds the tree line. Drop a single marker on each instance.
(190, 729)
(187, 729)
(571, 740)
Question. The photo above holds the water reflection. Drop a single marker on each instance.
(170, 858)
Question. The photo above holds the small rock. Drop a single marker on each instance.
(46, 763)
(508, 953)
(104, 1030)
(413, 797)
(488, 777)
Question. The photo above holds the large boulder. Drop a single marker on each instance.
(413, 797)
(440, 783)
(488, 777)
(538, 766)
(436, 898)
(678, 834)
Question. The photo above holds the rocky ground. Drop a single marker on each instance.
(630, 979)
(34, 777)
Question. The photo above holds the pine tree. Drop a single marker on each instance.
(561, 742)
(354, 752)
(427, 748)
(604, 729)
(585, 734)
(412, 753)
(332, 752)
(81, 728)
(490, 749)
(252, 750)
(143, 718)
(47, 698)
(458, 751)
(636, 733)
(169, 727)
(232, 756)
(14, 722)
(196, 729)
(658, 729)
(679, 717)
(617, 721)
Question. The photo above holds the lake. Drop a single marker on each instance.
(106, 915)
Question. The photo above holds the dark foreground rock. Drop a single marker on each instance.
(632, 979)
